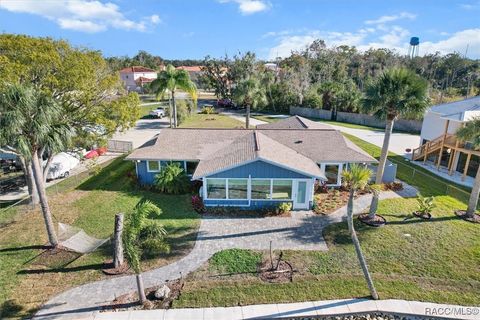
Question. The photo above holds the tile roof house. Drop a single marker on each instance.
(134, 78)
(252, 168)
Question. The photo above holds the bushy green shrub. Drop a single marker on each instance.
(172, 179)
(285, 207)
(425, 205)
(208, 110)
(152, 239)
(312, 100)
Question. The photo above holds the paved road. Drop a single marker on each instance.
(302, 231)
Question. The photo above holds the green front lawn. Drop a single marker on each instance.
(437, 260)
(216, 121)
(91, 204)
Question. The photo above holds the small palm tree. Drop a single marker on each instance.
(170, 80)
(357, 178)
(249, 93)
(396, 93)
(471, 133)
(172, 179)
(30, 122)
(132, 242)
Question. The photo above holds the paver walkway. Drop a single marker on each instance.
(303, 231)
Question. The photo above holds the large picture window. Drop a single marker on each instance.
(153, 166)
(216, 188)
(282, 189)
(237, 188)
(261, 189)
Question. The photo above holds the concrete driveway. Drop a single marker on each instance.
(144, 130)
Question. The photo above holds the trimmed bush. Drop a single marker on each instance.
(172, 179)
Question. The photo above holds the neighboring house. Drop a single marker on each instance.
(134, 78)
(438, 142)
(194, 71)
(252, 168)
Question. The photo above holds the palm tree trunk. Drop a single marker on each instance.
(247, 117)
(31, 186)
(141, 289)
(175, 122)
(381, 166)
(118, 250)
(170, 111)
(47, 215)
(472, 203)
(358, 249)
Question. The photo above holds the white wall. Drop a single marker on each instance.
(434, 126)
(129, 78)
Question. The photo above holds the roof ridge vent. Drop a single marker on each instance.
(301, 122)
(257, 142)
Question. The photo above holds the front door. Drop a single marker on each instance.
(300, 196)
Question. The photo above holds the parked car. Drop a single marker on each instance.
(61, 165)
(157, 113)
(225, 103)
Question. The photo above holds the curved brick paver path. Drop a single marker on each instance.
(303, 231)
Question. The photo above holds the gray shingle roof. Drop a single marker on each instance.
(220, 149)
(295, 122)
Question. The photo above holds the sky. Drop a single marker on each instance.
(182, 29)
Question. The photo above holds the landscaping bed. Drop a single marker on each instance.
(330, 200)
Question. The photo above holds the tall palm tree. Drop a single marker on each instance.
(396, 93)
(30, 121)
(132, 242)
(357, 178)
(170, 80)
(471, 133)
(249, 93)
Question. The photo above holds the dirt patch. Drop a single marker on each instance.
(276, 271)
(109, 269)
(55, 258)
(130, 301)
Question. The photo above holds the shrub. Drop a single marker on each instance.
(197, 204)
(425, 205)
(312, 100)
(152, 239)
(208, 110)
(285, 207)
(172, 180)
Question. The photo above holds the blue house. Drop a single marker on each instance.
(253, 168)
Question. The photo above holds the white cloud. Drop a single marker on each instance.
(80, 15)
(247, 7)
(471, 6)
(393, 38)
(391, 18)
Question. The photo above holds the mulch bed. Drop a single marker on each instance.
(332, 200)
(426, 216)
(109, 270)
(129, 301)
(463, 214)
(280, 274)
(377, 221)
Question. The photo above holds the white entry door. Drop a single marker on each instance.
(300, 194)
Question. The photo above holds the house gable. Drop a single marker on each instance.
(259, 169)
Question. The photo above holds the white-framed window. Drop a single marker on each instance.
(237, 189)
(216, 188)
(153, 166)
(333, 173)
(281, 189)
(261, 189)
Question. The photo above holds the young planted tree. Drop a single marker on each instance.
(357, 178)
(134, 243)
(249, 93)
(171, 80)
(396, 93)
(471, 133)
(30, 121)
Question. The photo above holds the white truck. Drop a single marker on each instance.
(157, 113)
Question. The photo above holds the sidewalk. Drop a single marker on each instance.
(409, 309)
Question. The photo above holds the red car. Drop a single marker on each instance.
(225, 103)
(91, 154)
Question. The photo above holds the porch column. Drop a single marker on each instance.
(467, 163)
(426, 152)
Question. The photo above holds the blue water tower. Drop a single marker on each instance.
(414, 47)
